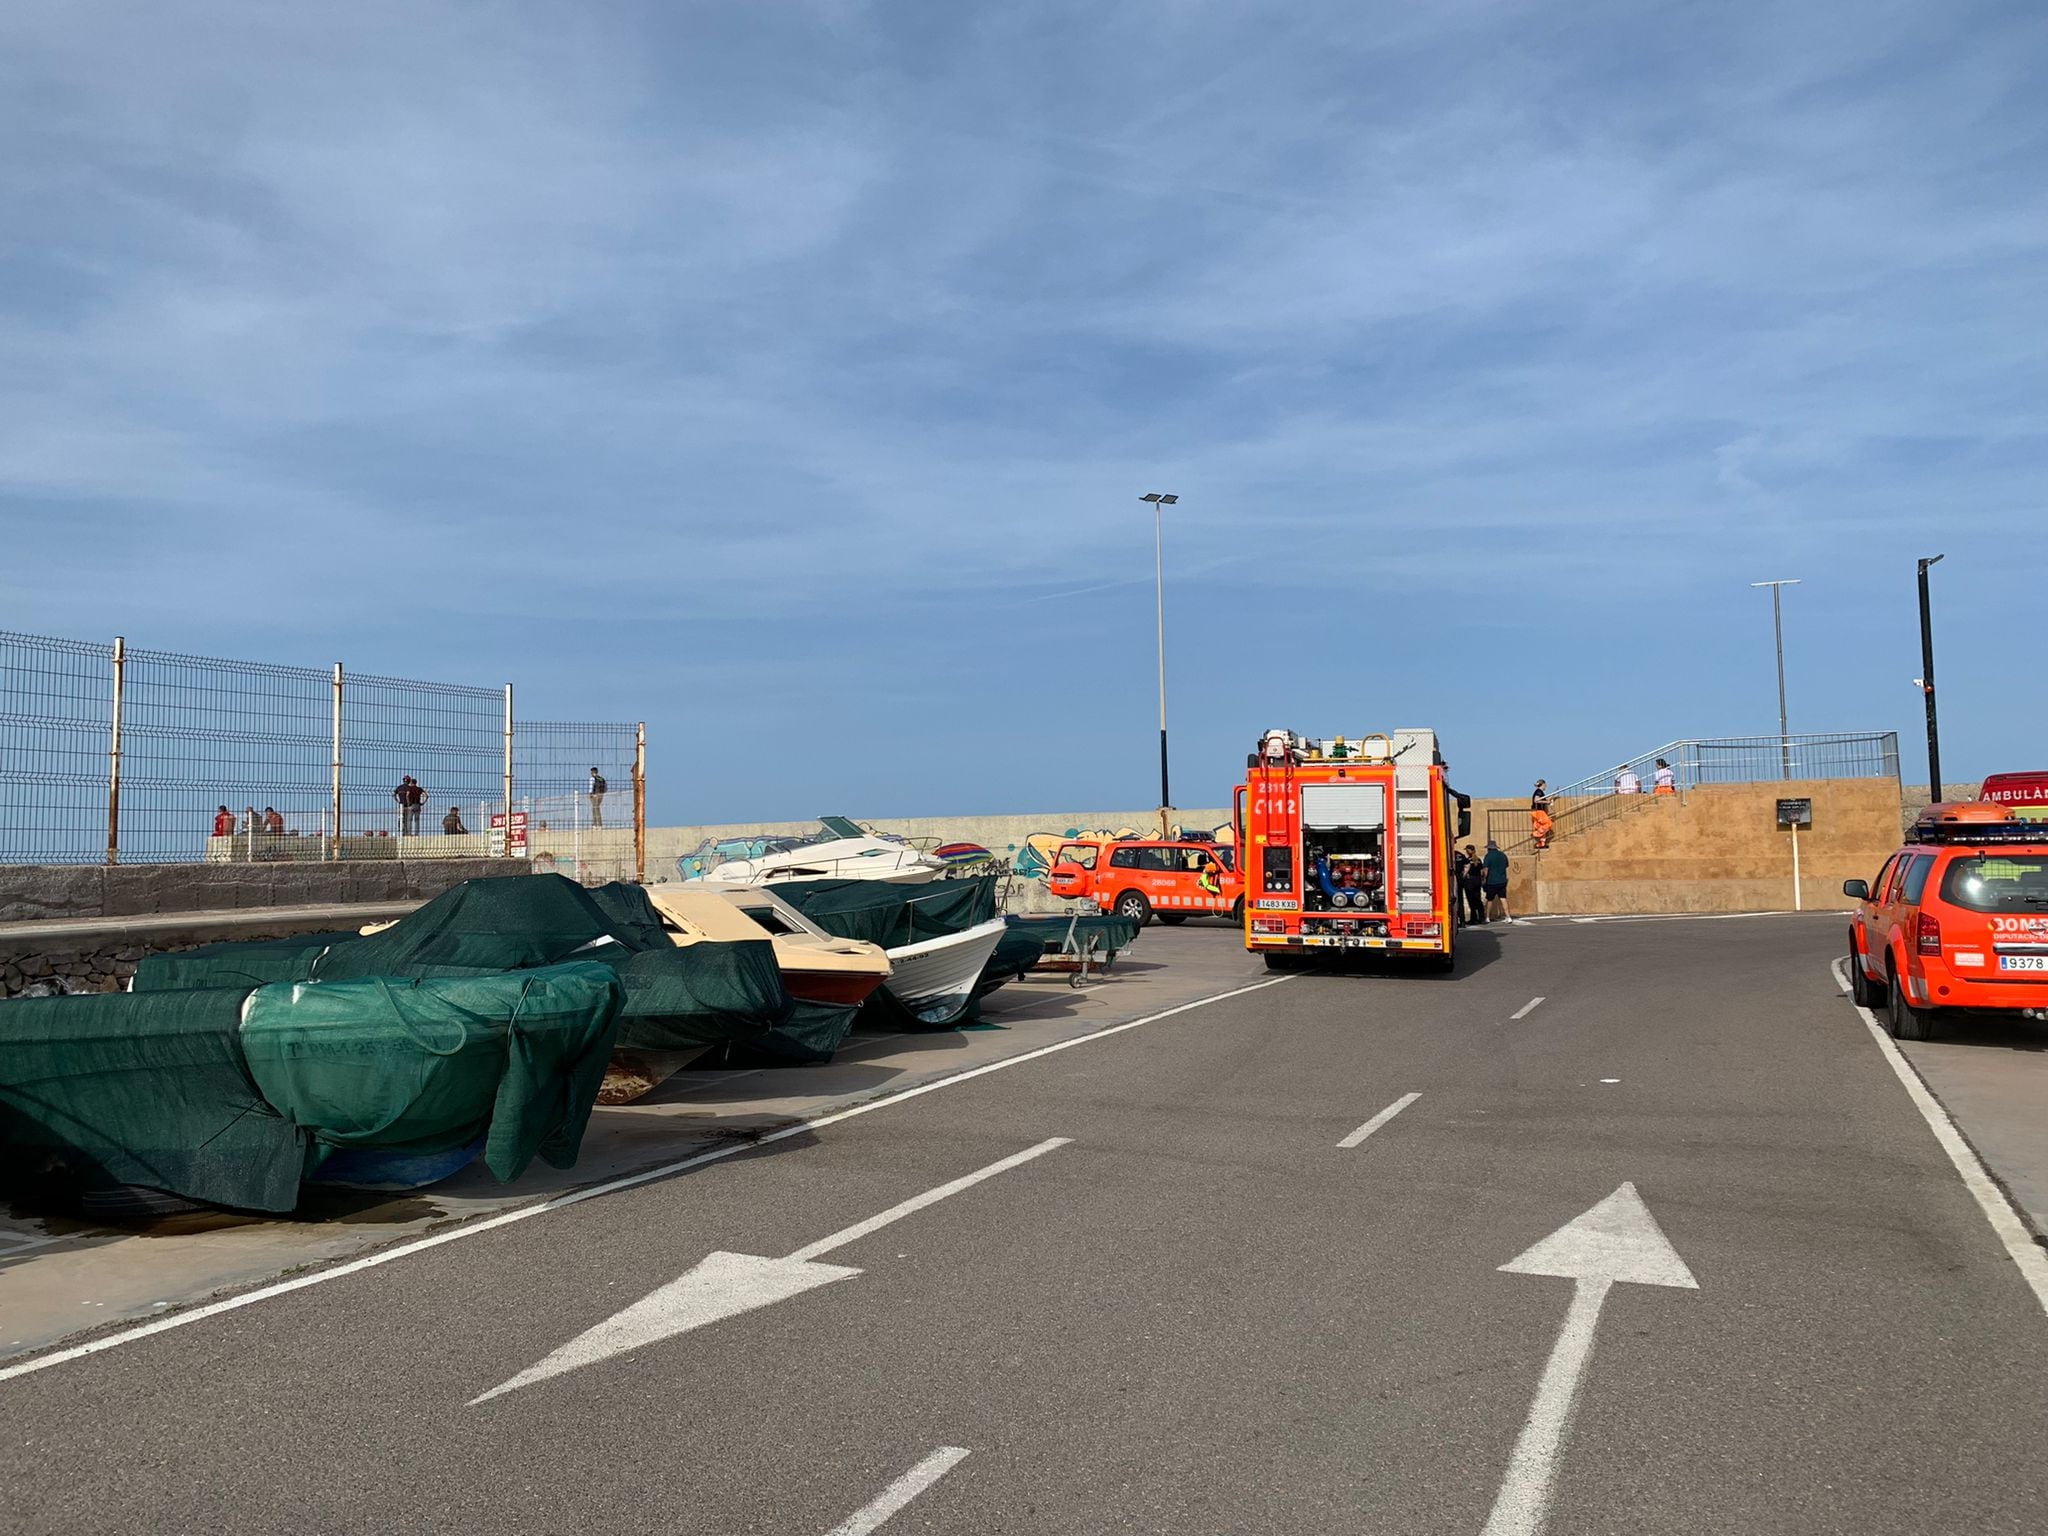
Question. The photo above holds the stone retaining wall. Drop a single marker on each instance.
(52, 892)
(104, 963)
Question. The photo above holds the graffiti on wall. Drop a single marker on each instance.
(1034, 858)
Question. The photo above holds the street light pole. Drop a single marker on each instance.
(1159, 501)
(1927, 681)
(1778, 627)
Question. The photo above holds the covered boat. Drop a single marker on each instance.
(235, 1097)
(680, 1004)
(939, 938)
(815, 965)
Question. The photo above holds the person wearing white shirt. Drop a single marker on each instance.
(1663, 779)
(1626, 783)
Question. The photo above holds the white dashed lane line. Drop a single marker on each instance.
(1379, 1120)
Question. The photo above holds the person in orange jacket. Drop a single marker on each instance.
(223, 822)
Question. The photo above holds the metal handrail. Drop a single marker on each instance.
(1705, 760)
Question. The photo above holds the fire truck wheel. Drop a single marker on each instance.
(1237, 912)
(1133, 907)
(1443, 964)
(1276, 961)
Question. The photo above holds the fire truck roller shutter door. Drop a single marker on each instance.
(1359, 807)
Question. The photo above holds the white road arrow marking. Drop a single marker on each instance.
(1616, 1240)
(726, 1284)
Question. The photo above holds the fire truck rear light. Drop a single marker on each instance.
(1268, 925)
(1425, 930)
(1928, 935)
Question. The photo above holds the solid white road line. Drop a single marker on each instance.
(860, 1229)
(1526, 1009)
(1991, 1200)
(1379, 1120)
(901, 1492)
(610, 1186)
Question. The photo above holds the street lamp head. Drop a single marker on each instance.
(1932, 560)
(1159, 498)
(1792, 581)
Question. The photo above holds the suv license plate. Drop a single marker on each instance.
(2023, 962)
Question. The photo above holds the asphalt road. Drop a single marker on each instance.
(1199, 1313)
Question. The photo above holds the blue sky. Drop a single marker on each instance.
(788, 375)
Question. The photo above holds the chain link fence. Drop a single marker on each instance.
(123, 755)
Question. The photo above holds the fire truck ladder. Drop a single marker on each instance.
(1415, 849)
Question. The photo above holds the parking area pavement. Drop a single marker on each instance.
(60, 1276)
(1548, 1244)
(1991, 1075)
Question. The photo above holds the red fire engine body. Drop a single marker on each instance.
(1349, 847)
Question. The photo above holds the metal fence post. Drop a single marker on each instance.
(640, 802)
(114, 753)
(334, 805)
(506, 850)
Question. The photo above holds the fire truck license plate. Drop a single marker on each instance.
(2023, 962)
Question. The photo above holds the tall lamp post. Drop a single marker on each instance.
(1159, 501)
(1927, 681)
(1778, 626)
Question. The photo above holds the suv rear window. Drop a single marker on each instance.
(1997, 882)
(1139, 858)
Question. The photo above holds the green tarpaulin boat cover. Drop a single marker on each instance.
(506, 923)
(705, 994)
(1016, 952)
(247, 963)
(230, 1097)
(894, 915)
(888, 914)
(1108, 933)
(97, 1092)
(428, 1065)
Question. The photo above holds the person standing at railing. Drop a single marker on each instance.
(410, 797)
(273, 821)
(597, 789)
(223, 822)
(1540, 824)
(1663, 780)
(1626, 782)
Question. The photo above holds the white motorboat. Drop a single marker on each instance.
(839, 851)
(935, 978)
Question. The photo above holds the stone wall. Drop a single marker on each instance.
(40, 892)
(1716, 848)
(104, 961)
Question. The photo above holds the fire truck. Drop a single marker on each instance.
(1348, 846)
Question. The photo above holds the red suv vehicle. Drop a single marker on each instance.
(1141, 877)
(1958, 918)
